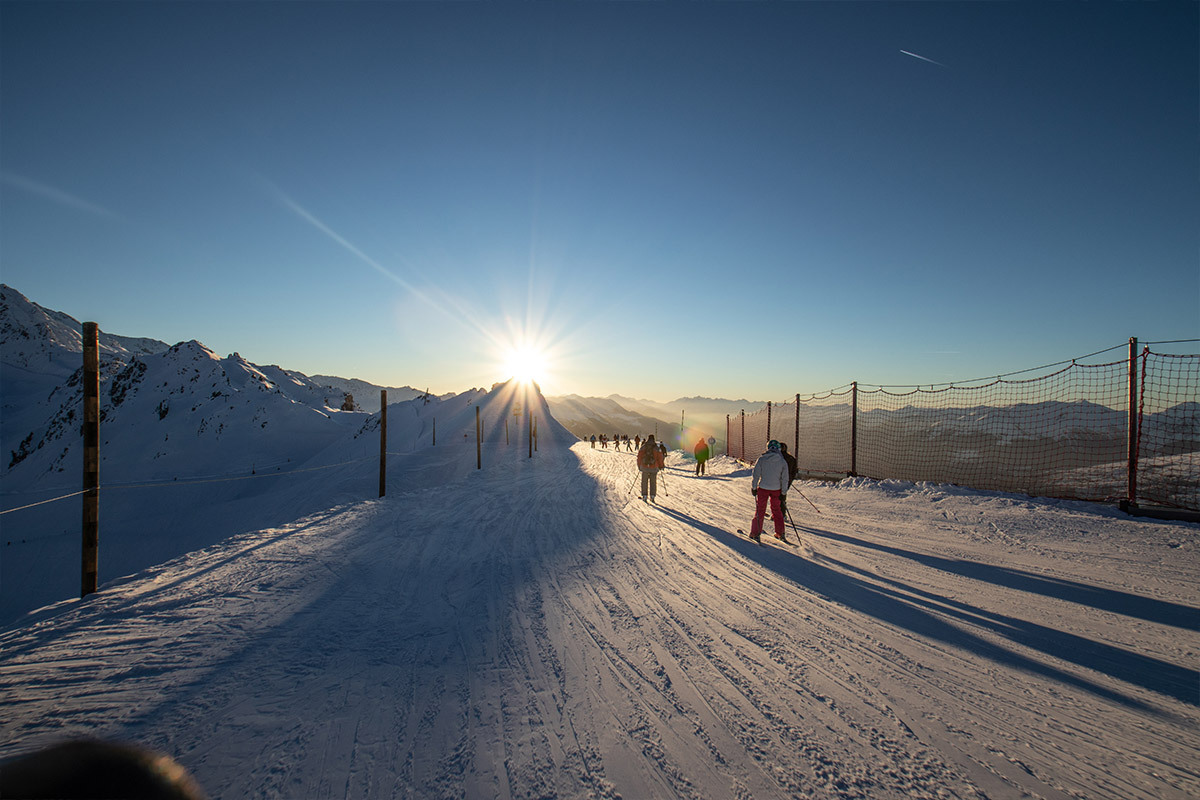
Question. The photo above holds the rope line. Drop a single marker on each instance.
(188, 482)
(1070, 362)
(43, 502)
(198, 480)
(965, 384)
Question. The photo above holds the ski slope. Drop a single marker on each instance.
(536, 630)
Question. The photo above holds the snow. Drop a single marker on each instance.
(533, 629)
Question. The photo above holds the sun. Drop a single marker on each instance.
(525, 365)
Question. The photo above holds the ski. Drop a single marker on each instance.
(751, 538)
(759, 542)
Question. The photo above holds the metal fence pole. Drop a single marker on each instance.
(768, 420)
(478, 442)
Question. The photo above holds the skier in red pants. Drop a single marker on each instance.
(768, 484)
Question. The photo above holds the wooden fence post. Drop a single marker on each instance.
(478, 442)
(853, 429)
(382, 441)
(91, 459)
(1132, 452)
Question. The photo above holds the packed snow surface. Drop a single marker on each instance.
(533, 629)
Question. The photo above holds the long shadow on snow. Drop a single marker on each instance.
(894, 608)
(1152, 673)
(1116, 601)
(442, 636)
(106, 605)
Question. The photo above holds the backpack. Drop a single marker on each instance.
(646, 457)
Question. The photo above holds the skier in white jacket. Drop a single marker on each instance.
(768, 484)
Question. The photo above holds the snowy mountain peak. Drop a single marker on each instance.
(33, 337)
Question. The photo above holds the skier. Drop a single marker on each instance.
(768, 484)
(791, 462)
(593, 441)
(649, 461)
(637, 441)
(628, 444)
(701, 451)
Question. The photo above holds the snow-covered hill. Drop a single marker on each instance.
(181, 413)
(365, 394)
(43, 340)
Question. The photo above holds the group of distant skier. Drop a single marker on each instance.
(772, 476)
(617, 440)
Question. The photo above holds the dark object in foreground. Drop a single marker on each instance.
(95, 769)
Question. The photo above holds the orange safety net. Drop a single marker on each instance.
(1064, 434)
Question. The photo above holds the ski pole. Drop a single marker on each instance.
(810, 502)
(664, 483)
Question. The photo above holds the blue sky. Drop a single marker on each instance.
(668, 199)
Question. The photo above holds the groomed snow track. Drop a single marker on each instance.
(535, 630)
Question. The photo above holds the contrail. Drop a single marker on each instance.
(463, 315)
(923, 58)
(55, 195)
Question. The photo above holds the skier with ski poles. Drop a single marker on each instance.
(650, 461)
(769, 484)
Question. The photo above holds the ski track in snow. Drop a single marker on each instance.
(538, 631)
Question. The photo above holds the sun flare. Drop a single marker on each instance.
(526, 365)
